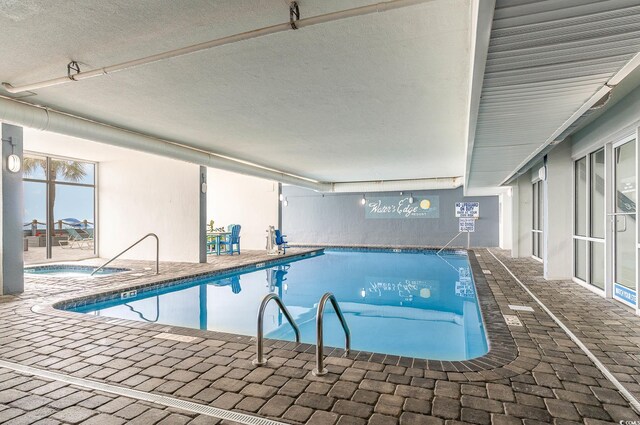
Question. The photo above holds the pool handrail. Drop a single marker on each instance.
(447, 244)
(131, 246)
(320, 369)
(260, 360)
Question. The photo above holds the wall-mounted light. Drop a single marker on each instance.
(363, 293)
(203, 184)
(14, 163)
(286, 202)
(281, 197)
(363, 200)
(411, 199)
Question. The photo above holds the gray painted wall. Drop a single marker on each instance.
(339, 219)
(11, 207)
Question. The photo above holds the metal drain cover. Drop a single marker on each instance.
(520, 308)
(174, 337)
(512, 320)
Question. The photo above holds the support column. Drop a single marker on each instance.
(203, 215)
(280, 208)
(524, 213)
(558, 250)
(11, 209)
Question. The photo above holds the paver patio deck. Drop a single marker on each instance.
(548, 379)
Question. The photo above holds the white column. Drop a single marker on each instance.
(506, 219)
(524, 216)
(11, 208)
(558, 249)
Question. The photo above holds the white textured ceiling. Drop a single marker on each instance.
(377, 97)
(545, 60)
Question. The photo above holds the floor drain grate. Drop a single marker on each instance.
(175, 337)
(141, 395)
(512, 320)
(520, 308)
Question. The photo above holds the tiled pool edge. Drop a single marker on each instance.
(73, 267)
(500, 361)
(114, 294)
(379, 248)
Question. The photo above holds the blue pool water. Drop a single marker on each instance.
(69, 270)
(410, 304)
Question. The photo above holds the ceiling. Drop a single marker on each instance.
(545, 60)
(378, 97)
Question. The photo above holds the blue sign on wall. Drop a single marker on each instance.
(399, 207)
(624, 293)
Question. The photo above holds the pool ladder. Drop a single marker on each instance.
(260, 360)
(320, 369)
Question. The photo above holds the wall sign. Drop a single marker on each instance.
(468, 209)
(399, 207)
(466, 224)
(628, 295)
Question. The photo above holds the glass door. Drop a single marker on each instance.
(624, 222)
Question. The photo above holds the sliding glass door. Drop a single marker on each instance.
(624, 222)
(589, 220)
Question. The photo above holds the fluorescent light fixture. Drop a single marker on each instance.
(14, 163)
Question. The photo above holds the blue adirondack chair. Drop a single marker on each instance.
(232, 243)
(280, 241)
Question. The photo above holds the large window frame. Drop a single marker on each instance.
(537, 222)
(586, 242)
(48, 181)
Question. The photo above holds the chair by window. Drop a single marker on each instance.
(232, 243)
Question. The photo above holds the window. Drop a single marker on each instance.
(538, 220)
(59, 203)
(589, 219)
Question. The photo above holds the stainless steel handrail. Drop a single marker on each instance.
(447, 244)
(131, 246)
(320, 370)
(260, 360)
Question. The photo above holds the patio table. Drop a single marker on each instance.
(217, 236)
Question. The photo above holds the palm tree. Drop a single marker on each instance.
(59, 169)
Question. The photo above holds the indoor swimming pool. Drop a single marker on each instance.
(414, 304)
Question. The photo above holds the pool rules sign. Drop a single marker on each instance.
(467, 213)
(466, 224)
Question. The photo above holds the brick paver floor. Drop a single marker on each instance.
(533, 374)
